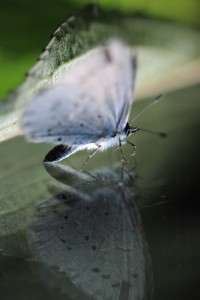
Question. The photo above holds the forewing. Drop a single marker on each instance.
(91, 102)
(65, 114)
(108, 73)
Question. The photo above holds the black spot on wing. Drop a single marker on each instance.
(107, 54)
(115, 285)
(57, 153)
(95, 270)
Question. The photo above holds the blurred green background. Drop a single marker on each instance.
(26, 26)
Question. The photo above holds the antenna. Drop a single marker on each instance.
(154, 101)
(161, 134)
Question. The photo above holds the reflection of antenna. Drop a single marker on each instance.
(154, 101)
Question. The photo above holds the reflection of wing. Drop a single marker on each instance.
(96, 241)
(91, 102)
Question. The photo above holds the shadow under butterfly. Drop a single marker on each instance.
(89, 238)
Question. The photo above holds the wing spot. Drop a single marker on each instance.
(94, 248)
(106, 213)
(108, 56)
(95, 270)
(81, 125)
(87, 237)
(59, 139)
(99, 116)
(62, 227)
(115, 285)
(62, 240)
(66, 217)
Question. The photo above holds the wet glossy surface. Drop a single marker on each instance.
(164, 166)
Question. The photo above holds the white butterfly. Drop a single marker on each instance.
(89, 107)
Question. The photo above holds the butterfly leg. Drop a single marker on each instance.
(134, 148)
(121, 152)
(88, 158)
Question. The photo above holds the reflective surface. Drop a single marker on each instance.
(168, 167)
(90, 236)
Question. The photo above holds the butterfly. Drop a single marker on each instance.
(91, 234)
(89, 107)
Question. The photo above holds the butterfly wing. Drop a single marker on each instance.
(90, 103)
(94, 241)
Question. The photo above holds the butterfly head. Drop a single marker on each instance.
(128, 130)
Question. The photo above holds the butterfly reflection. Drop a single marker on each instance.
(91, 234)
